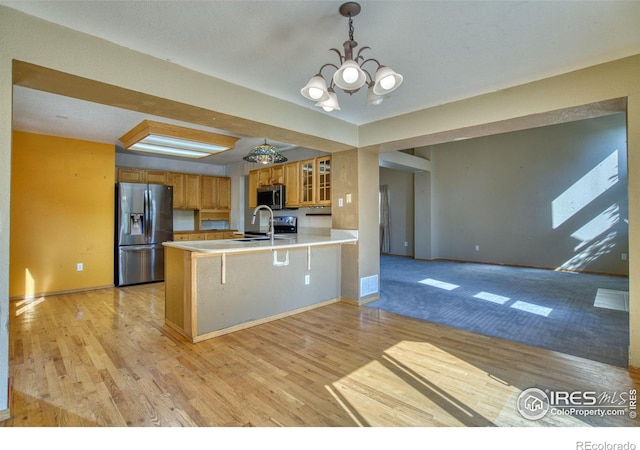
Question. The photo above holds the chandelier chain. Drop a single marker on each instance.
(350, 28)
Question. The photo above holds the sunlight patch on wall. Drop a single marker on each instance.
(29, 284)
(597, 226)
(591, 253)
(596, 182)
(439, 284)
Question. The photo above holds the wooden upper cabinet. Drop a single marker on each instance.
(130, 175)
(223, 193)
(208, 187)
(292, 184)
(323, 180)
(192, 191)
(186, 190)
(264, 177)
(215, 192)
(277, 174)
(156, 177)
(177, 181)
(307, 182)
(253, 188)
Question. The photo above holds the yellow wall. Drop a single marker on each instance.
(62, 213)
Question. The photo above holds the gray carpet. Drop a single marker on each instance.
(543, 308)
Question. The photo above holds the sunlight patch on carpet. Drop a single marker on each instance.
(532, 308)
(439, 284)
(612, 299)
(494, 298)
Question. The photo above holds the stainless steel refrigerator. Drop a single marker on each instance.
(144, 220)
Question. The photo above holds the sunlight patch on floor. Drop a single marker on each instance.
(612, 299)
(494, 298)
(419, 384)
(439, 284)
(532, 308)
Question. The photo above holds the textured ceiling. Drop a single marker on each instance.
(446, 50)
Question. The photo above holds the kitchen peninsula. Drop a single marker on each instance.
(217, 287)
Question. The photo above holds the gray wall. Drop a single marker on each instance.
(553, 197)
(401, 191)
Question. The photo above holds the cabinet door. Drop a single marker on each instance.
(192, 191)
(253, 186)
(177, 181)
(208, 188)
(292, 183)
(223, 193)
(156, 177)
(264, 177)
(277, 174)
(323, 176)
(307, 182)
(130, 175)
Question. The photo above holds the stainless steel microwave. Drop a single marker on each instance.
(272, 196)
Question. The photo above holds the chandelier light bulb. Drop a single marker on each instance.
(350, 75)
(315, 93)
(387, 82)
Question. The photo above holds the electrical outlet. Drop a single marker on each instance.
(307, 279)
(477, 248)
(340, 202)
(79, 267)
(406, 244)
(623, 256)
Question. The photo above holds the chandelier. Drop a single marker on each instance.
(265, 154)
(351, 75)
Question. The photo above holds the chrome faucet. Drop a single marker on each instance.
(270, 233)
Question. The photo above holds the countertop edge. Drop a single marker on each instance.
(336, 237)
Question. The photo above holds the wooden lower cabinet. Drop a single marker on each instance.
(203, 235)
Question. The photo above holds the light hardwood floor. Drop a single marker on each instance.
(105, 358)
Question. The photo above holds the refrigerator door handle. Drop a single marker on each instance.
(147, 213)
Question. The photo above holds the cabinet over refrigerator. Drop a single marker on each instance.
(144, 220)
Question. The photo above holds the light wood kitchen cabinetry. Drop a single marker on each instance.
(134, 175)
(253, 188)
(271, 175)
(215, 192)
(223, 192)
(156, 177)
(203, 235)
(323, 179)
(307, 182)
(292, 184)
(130, 175)
(186, 190)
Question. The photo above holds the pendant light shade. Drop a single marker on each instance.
(350, 76)
(330, 104)
(387, 80)
(265, 154)
(316, 89)
(373, 98)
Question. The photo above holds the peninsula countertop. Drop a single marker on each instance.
(280, 242)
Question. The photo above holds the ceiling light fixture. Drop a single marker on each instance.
(351, 76)
(173, 140)
(265, 154)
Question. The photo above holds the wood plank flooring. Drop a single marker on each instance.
(105, 358)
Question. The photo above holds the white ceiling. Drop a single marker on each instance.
(446, 50)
